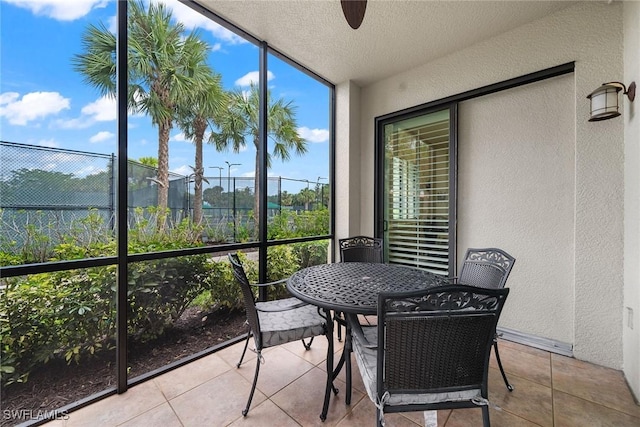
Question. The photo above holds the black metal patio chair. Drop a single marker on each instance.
(272, 323)
(358, 249)
(361, 249)
(487, 268)
(430, 349)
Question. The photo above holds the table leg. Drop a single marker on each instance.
(329, 387)
(345, 360)
(346, 354)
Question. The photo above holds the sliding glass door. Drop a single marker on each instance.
(417, 197)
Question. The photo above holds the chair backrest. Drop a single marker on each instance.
(247, 295)
(486, 268)
(361, 249)
(436, 340)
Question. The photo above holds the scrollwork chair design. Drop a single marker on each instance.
(430, 349)
(361, 249)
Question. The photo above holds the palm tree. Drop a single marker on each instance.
(162, 62)
(306, 196)
(286, 198)
(195, 116)
(152, 162)
(239, 125)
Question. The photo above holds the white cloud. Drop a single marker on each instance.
(59, 161)
(8, 97)
(192, 19)
(253, 77)
(88, 170)
(178, 138)
(183, 170)
(112, 24)
(79, 123)
(61, 10)
(314, 135)
(101, 136)
(32, 106)
(101, 110)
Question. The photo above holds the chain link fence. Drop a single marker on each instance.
(58, 186)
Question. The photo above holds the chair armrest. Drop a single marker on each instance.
(358, 333)
(277, 282)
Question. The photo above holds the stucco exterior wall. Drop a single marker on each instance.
(557, 39)
(347, 159)
(631, 309)
(516, 191)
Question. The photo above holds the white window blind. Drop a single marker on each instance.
(417, 192)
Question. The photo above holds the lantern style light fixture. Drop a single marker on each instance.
(604, 100)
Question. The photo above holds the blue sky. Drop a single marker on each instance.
(44, 102)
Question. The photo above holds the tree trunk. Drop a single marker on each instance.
(163, 170)
(199, 172)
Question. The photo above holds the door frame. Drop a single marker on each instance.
(440, 104)
(379, 172)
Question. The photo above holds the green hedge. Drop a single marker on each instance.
(71, 314)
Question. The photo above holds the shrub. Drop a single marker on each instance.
(71, 314)
(64, 314)
(222, 289)
(289, 224)
(282, 262)
(312, 253)
(159, 291)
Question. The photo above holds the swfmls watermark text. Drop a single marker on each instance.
(30, 414)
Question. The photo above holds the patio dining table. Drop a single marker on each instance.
(353, 287)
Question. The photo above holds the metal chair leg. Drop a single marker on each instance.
(253, 386)
(504, 376)
(246, 344)
(485, 416)
(307, 346)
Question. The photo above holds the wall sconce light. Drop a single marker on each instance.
(604, 100)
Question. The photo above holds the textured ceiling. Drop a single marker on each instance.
(396, 35)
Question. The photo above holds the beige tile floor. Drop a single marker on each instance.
(550, 390)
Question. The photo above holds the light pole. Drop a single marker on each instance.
(319, 190)
(229, 195)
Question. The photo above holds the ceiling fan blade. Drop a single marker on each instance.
(354, 11)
